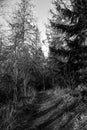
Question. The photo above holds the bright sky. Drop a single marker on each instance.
(42, 12)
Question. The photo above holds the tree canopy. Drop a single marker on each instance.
(38, 93)
(68, 42)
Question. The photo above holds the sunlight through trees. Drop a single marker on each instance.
(43, 82)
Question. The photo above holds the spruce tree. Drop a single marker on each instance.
(68, 47)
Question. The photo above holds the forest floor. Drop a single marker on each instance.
(56, 109)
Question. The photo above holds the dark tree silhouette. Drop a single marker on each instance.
(68, 48)
(58, 108)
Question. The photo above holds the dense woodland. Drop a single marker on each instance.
(38, 93)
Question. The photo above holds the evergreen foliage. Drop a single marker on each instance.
(38, 93)
(68, 47)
